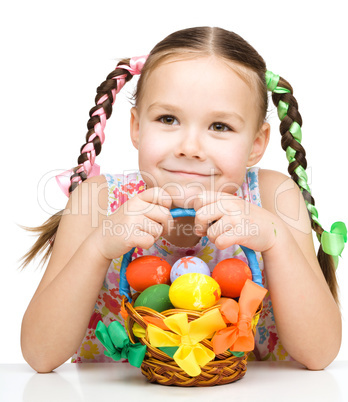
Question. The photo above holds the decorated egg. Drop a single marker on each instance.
(155, 297)
(231, 275)
(187, 265)
(147, 271)
(194, 292)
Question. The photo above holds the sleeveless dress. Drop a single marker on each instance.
(108, 305)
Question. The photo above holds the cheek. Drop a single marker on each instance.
(149, 150)
(232, 163)
(149, 157)
(232, 157)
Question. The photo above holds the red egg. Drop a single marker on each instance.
(231, 274)
(147, 271)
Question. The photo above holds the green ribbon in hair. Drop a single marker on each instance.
(271, 80)
(314, 214)
(332, 242)
(283, 108)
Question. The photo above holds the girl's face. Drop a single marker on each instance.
(196, 128)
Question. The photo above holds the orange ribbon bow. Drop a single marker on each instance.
(239, 336)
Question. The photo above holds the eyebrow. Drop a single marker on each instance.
(167, 106)
(215, 114)
(228, 115)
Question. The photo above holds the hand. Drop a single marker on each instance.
(139, 222)
(227, 219)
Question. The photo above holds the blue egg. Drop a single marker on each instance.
(188, 265)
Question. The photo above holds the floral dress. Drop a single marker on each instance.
(108, 305)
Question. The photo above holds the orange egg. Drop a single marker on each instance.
(147, 271)
(231, 275)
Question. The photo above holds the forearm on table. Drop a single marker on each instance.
(56, 320)
(307, 317)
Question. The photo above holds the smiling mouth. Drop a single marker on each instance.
(189, 174)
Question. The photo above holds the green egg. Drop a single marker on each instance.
(155, 297)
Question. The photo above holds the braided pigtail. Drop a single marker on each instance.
(69, 180)
(104, 100)
(331, 243)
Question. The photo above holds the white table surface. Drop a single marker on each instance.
(263, 381)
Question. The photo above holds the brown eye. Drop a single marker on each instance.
(170, 120)
(220, 127)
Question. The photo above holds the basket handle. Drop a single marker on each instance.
(180, 212)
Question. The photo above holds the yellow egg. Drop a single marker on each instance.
(194, 291)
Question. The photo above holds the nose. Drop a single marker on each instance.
(191, 146)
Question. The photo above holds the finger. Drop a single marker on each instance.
(151, 227)
(206, 217)
(144, 241)
(162, 216)
(232, 210)
(157, 196)
(150, 203)
(225, 226)
(209, 197)
(141, 233)
(230, 237)
(227, 239)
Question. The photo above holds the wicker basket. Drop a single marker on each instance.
(159, 367)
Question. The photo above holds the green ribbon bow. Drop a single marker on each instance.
(115, 339)
(333, 241)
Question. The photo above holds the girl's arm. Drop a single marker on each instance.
(307, 317)
(57, 317)
(56, 320)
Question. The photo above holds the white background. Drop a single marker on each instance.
(55, 54)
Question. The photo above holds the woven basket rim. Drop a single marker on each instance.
(158, 357)
(157, 361)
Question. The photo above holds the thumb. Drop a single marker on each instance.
(158, 196)
(209, 197)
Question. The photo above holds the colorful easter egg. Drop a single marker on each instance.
(187, 265)
(194, 291)
(147, 271)
(155, 297)
(231, 275)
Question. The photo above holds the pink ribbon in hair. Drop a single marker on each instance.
(64, 182)
(89, 167)
(136, 64)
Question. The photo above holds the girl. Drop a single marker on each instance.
(199, 127)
